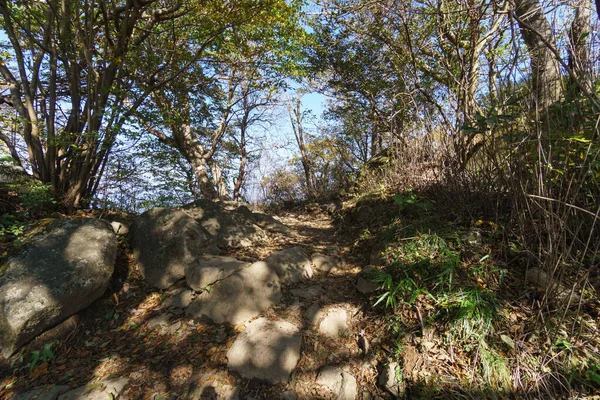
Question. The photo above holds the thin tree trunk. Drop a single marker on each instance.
(219, 180)
(545, 68)
(242, 168)
(579, 61)
(295, 113)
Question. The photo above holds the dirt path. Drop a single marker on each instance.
(123, 336)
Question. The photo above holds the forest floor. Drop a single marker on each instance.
(112, 337)
(468, 326)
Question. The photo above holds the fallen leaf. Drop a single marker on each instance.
(40, 370)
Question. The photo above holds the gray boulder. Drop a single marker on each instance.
(269, 223)
(210, 269)
(165, 241)
(105, 389)
(211, 385)
(266, 350)
(325, 263)
(388, 379)
(239, 297)
(340, 383)
(42, 393)
(308, 292)
(314, 314)
(13, 174)
(364, 283)
(180, 298)
(120, 228)
(59, 273)
(228, 227)
(292, 265)
(334, 322)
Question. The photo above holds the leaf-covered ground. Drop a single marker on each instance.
(460, 321)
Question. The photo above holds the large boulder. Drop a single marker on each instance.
(210, 269)
(292, 265)
(110, 388)
(59, 273)
(230, 228)
(165, 241)
(325, 263)
(238, 297)
(13, 174)
(269, 223)
(266, 350)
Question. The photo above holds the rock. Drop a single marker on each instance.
(340, 383)
(59, 332)
(296, 305)
(314, 314)
(181, 298)
(243, 209)
(212, 385)
(388, 379)
(269, 223)
(537, 277)
(230, 228)
(14, 174)
(363, 344)
(42, 393)
(426, 346)
(210, 269)
(164, 242)
(307, 293)
(334, 322)
(102, 390)
(364, 284)
(541, 279)
(239, 297)
(508, 341)
(119, 228)
(472, 237)
(292, 265)
(266, 350)
(157, 322)
(325, 263)
(288, 395)
(173, 328)
(59, 273)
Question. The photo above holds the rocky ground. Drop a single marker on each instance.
(319, 341)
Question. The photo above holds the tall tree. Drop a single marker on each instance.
(196, 110)
(297, 118)
(70, 75)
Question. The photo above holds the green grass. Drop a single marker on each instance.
(432, 269)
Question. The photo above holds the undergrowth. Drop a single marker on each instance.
(454, 280)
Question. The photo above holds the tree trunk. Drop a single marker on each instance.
(219, 180)
(188, 144)
(296, 121)
(579, 60)
(239, 181)
(545, 68)
(201, 174)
